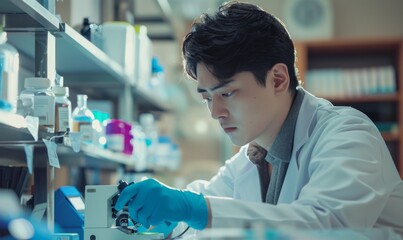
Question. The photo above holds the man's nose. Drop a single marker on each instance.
(217, 108)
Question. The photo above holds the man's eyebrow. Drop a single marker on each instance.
(220, 85)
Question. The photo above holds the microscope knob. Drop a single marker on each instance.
(121, 185)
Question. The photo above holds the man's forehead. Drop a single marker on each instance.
(219, 85)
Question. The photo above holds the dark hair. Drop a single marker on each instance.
(239, 37)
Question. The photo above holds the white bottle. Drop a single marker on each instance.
(82, 119)
(38, 100)
(9, 68)
(62, 109)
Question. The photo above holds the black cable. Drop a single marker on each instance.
(180, 235)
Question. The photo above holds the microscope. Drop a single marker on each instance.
(103, 222)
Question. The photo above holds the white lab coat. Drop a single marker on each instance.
(340, 175)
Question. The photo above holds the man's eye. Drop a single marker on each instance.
(228, 94)
(206, 99)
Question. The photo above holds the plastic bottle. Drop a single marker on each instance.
(38, 100)
(151, 134)
(62, 109)
(118, 136)
(143, 56)
(82, 119)
(157, 80)
(139, 148)
(9, 68)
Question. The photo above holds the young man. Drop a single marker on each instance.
(303, 162)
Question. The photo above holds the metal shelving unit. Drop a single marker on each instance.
(53, 46)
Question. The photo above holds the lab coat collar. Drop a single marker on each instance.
(283, 144)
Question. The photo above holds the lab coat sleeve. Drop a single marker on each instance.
(349, 182)
(222, 184)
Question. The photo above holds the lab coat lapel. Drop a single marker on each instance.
(306, 115)
(305, 118)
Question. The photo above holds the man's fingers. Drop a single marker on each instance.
(128, 193)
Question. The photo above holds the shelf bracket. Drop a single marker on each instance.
(45, 55)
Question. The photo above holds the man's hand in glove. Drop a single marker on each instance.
(152, 203)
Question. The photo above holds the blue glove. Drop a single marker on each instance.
(152, 203)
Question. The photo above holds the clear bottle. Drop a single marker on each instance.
(62, 109)
(147, 122)
(82, 119)
(38, 100)
(9, 68)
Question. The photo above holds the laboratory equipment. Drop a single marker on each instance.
(102, 221)
(69, 210)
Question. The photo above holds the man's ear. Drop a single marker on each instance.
(280, 77)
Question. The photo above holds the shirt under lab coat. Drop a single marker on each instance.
(341, 175)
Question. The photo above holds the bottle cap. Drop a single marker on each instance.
(61, 91)
(147, 119)
(37, 82)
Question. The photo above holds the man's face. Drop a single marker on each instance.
(245, 110)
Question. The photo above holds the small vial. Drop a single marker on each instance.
(39, 101)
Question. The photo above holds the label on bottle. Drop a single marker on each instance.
(44, 109)
(115, 142)
(62, 119)
(85, 128)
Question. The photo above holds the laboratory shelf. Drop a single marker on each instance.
(365, 99)
(29, 15)
(13, 154)
(84, 66)
(149, 101)
(14, 129)
(80, 61)
(362, 53)
(92, 156)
